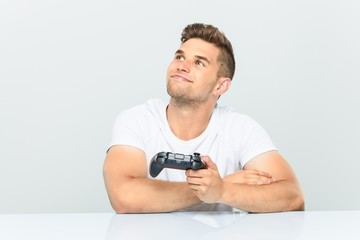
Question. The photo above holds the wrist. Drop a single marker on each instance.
(226, 194)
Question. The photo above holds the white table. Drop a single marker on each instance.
(187, 225)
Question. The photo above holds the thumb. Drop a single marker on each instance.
(209, 163)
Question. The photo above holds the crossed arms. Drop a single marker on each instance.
(267, 184)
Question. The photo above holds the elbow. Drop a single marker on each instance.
(297, 203)
(123, 201)
(300, 206)
(124, 205)
(117, 201)
(119, 208)
(295, 199)
(117, 205)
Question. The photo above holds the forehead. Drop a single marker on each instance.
(199, 47)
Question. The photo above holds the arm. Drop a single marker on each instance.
(281, 193)
(129, 191)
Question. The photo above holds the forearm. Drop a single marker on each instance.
(274, 197)
(140, 195)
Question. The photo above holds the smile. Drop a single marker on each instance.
(181, 78)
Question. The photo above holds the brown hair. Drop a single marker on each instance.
(213, 35)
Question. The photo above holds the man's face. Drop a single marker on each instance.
(192, 75)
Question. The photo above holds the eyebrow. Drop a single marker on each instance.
(196, 56)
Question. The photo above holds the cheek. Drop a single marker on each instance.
(207, 80)
(172, 66)
(168, 72)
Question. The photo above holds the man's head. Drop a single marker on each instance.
(212, 35)
(202, 68)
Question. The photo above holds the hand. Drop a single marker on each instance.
(207, 184)
(250, 177)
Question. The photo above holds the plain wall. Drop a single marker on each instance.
(67, 68)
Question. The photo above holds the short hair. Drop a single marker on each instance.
(213, 35)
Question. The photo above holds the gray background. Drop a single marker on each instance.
(67, 68)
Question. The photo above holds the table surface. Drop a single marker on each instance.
(183, 225)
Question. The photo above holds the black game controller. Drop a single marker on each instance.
(176, 161)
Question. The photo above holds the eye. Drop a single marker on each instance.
(179, 57)
(200, 63)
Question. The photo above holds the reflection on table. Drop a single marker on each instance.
(182, 225)
(206, 225)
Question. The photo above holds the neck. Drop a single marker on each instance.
(188, 121)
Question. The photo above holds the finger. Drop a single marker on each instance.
(258, 180)
(193, 181)
(257, 172)
(193, 187)
(265, 175)
(250, 176)
(209, 163)
(193, 173)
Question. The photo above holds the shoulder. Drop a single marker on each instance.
(237, 124)
(134, 124)
(150, 107)
(230, 115)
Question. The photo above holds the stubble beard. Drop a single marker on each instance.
(184, 99)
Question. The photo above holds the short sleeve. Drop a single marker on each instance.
(250, 138)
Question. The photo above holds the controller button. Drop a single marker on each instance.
(179, 156)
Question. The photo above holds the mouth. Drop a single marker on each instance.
(180, 77)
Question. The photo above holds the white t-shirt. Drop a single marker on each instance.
(231, 139)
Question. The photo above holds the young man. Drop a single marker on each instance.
(244, 169)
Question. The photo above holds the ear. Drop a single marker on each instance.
(222, 86)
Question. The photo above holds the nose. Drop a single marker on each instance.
(183, 66)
